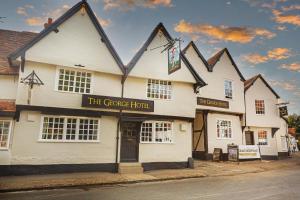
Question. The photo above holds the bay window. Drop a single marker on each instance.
(156, 132)
(68, 129)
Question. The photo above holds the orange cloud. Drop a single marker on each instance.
(232, 34)
(126, 5)
(274, 54)
(286, 85)
(35, 21)
(281, 28)
(291, 7)
(288, 19)
(295, 67)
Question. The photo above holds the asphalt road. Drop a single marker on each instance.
(275, 185)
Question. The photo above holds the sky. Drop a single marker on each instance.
(262, 36)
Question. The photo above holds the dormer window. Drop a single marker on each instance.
(228, 89)
(74, 81)
(158, 89)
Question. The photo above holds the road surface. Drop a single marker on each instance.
(272, 185)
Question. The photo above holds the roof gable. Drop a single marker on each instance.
(138, 55)
(54, 27)
(250, 82)
(214, 60)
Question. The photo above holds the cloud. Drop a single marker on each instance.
(126, 5)
(281, 28)
(225, 33)
(286, 85)
(103, 22)
(295, 67)
(274, 54)
(35, 21)
(280, 18)
(23, 10)
(291, 7)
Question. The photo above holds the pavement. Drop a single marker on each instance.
(276, 184)
(202, 169)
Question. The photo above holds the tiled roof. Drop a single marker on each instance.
(10, 41)
(7, 106)
(250, 81)
(214, 59)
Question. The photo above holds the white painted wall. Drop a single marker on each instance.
(259, 91)
(281, 135)
(266, 150)
(47, 95)
(154, 64)
(223, 70)
(178, 151)
(77, 42)
(213, 141)
(183, 100)
(8, 86)
(26, 149)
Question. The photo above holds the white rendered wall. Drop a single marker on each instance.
(8, 87)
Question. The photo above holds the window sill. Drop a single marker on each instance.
(218, 138)
(67, 141)
(157, 143)
(60, 91)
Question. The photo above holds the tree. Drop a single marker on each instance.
(294, 122)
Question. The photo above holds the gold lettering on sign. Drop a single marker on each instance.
(212, 102)
(94, 101)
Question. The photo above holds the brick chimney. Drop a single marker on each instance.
(48, 23)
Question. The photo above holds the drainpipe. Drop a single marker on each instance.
(245, 118)
(119, 121)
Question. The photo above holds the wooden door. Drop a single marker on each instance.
(249, 137)
(130, 141)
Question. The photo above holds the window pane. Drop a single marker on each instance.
(159, 89)
(4, 133)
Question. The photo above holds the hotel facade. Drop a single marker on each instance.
(69, 104)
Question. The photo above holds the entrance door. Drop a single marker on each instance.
(130, 141)
(249, 135)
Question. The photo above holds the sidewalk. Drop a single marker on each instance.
(202, 169)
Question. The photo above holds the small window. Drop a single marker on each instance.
(260, 107)
(158, 89)
(67, 129)
(74, 81)
(228, 89)
(262, 138)
(224, 129)
(156, 132)
(5, 129)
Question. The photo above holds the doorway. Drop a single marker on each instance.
(249, 136)
(130, 141)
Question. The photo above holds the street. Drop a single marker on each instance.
(276, 184)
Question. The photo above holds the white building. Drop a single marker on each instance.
(263, 125)
(220, 104)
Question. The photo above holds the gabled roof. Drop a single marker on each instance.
(137, 56)
(11, 41)
(192, 44)
(248, 83)
(53, 27)
(214, 59)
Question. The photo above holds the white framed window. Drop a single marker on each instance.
(228, 89)
(69, 129)
(5, 130)
(74, 81)
(224, 129)
(159, 89)
(260, 107)
(262, 137)
(156, 132)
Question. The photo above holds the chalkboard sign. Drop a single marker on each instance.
(217, 156)
(233, 153)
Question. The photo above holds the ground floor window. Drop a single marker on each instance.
(224, 129)
(68, 129)
(5, 129)
(262, 137)
(156, 132)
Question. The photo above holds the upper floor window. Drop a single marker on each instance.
(5, 129)
(228, 89)
(68, 129)
(74, 81)
(156, 132)
(224, 129)
(260, 107)
(262, 137)
(159, 89)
